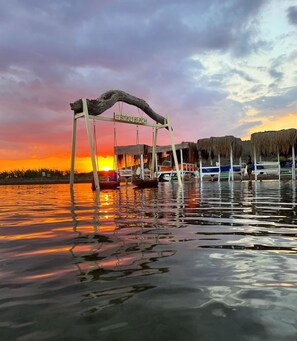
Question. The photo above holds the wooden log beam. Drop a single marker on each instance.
(109, 98)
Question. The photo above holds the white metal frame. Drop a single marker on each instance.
(273, 167)
(85, 114)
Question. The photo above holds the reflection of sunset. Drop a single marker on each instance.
(106, 228)
(120, 261)
(82, 248)
(45, 251)
(49, 274)
(38, 235)
(284, 284)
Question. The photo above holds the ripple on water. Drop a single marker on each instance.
(205, 261)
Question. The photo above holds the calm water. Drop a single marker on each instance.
(216, 262)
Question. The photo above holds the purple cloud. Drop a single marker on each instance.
(54, 52)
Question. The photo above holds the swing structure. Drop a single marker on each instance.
(81, 110)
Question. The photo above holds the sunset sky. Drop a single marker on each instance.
(217, 67)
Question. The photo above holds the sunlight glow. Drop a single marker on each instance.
(82, 164)
(275, 123)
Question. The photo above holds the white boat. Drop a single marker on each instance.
(187, 172)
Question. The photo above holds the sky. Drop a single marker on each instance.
(216, 67)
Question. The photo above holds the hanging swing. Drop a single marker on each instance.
(138, 159)
(140, 181)
(115, 144)
(86, 109)
(125, 170)
(107, 182)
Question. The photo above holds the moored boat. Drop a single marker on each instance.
(107, 180)
(106, 185)
(166, 176)
(147, 183)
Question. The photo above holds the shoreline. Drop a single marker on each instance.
(41, 181)
(57, 181)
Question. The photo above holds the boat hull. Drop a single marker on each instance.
(106, 185)
(139, 183)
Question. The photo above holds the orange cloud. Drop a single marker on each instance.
(286, 121)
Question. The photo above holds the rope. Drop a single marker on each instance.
(152, 166)
(153, 138)
(115, 143)
(95, 142)
(120, 105)
(140, 114)
(137, 134)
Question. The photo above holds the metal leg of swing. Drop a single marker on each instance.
(87, 121)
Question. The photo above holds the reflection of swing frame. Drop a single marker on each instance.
(126, 119)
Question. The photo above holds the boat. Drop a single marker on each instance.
(166, 176)
(107, 180)
(106, 185)
(147, 183)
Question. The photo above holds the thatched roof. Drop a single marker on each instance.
(272, 142)
(178, 146)
(189, 147)
(134, 150)
(137, 149)
(246, 149)
(219, 146)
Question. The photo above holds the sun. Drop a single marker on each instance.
(105, 163)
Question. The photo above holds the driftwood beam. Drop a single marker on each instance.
(109, 98)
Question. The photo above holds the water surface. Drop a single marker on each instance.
(215, 261)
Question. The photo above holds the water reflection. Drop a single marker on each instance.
(133, 235)
(123, 238)
(202, 261)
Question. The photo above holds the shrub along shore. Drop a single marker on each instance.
(41, 176)
(40, 181)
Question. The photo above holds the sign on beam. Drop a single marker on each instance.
(128, 118)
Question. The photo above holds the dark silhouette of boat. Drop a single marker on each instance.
(147, 183)
(107, 180)
(106, 185)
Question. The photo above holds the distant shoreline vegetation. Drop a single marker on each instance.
(42, 176)
(45, 176)
(42, 173)
(34, 173)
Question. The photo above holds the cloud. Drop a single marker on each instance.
(241, 129)
(276, 74)
(196, 60)
(269, 105)
(114, 35)
(292, 15)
